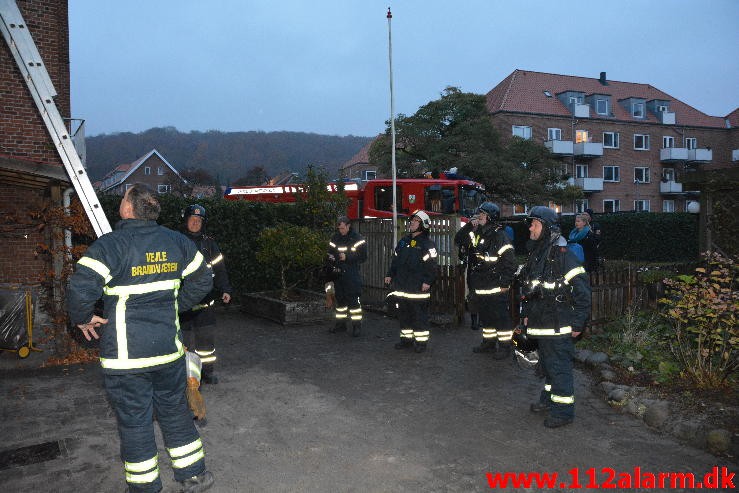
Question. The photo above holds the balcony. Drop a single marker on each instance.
(559, 147)
(700, 155)
(673, 154)
(670, 186)
(590, 184)
(735, 155)
(667, 117)
(588, 149)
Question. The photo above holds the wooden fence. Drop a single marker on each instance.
(614, 290)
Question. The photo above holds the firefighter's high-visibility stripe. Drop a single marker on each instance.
(206, 356)
(504, 248)
(219, 258)
(548, 387)
(563, 399)
(96, 266)
(342, 249)
(413, 296)
(194, 265)
(187, 454)
(489, 291)
(490, 259)
(341, 311)
(549, 332)
(406, 333)
(332, 244)
(577, 270)
(489, 333)
(357, 245)
(421, 335)
(356, 313)
(149, 287)
(505, 336)
(146, 471)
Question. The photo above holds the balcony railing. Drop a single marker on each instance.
(560, 147)
(590, 184)
(735, 155)
(667, 117)
(673, 154)
(588, 149)
(670, 187)
(700, 155)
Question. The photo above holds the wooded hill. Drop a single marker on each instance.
(227, 156)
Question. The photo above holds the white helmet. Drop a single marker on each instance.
(425, 219)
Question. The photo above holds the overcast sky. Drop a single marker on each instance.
(322, 66)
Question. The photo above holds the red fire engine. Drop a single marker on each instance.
(375, 197)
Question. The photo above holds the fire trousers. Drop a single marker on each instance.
(199, 335)
(495, 319)
(555, 354)
(413, 315)
(135, 398)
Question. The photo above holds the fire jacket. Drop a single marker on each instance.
(490, 256)
(146, 274)
(346, 274)
(213, 257)
(413, 264)
(556, 290)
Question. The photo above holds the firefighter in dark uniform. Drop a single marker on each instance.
(199, 324)
(412, 271)
(463, 240)
(346, 251)
(144, 272)
(556, 307)
(492, 266)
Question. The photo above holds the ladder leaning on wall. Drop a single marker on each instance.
(29, 62)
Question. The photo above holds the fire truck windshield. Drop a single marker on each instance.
(470, 199)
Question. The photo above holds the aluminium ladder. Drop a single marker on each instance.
(37, 78)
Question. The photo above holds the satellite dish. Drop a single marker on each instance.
(693, 207)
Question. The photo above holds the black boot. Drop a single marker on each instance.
(356, 329)
(198, 483)
(339, 326)
(503, 351)
(474, 321)
(404, 343)
(420, 347)
(539, 407)
(486, 346)
(208, 376)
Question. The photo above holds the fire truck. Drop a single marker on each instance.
(374, 198)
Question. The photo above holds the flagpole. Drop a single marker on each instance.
(392, 127)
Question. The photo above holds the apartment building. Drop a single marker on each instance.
(627, 145)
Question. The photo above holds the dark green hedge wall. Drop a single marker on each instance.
(644, 236)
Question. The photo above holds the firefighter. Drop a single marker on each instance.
(412, 271)
(463, 239)
(492, 265)
(346, 251)
(199, 324)
(144, 272)
(556, 307)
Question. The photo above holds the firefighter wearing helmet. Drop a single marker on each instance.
(555, 309)
(412, 271)
(199, 324)
(491, 267)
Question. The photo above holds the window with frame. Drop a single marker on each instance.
(581, 205)
(554, 206)
(611, 205)
(581, 171)
(668, 174)
(163, 188)
(641, 205)
(611, 173)
(641, 174)
(662, 108)
(691, 143)
(668, 142)
(522, 131)
(637, 110)
(554, 134)
(581, 136)
(520, 209)
(384, 198)
(610, 139)
(160, 170)
(147, 170)
(601, 106)
(668, 205)
(641, 142)
(575, 99)
(369, 174)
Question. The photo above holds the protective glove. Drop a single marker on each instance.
(194, 399)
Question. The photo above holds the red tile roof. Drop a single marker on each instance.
(361, 157)
(523, 92)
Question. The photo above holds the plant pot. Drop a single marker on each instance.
(301, 308)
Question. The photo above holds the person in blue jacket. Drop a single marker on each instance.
(145, 274)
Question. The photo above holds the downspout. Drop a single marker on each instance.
(67, 201)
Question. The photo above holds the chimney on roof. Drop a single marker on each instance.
(603, 80)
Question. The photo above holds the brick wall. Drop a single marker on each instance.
(22, 131)
(625, 156)
(19, 263)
